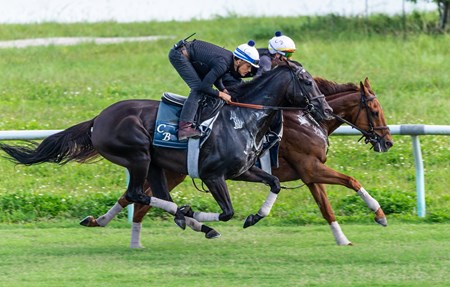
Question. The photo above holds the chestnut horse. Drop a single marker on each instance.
(303, 151)
(123, 134)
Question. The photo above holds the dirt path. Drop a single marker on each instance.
(67, 41)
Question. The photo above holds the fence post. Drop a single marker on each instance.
(420, 177)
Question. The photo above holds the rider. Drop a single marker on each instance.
(280, 48)
(202, 65)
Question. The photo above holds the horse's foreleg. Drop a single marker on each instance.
(373, 204)
(255, 174)
(325, 175)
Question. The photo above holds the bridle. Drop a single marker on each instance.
(370, 136)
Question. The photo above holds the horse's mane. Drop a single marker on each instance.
(257, 83)
(329, 87)
(326, 87)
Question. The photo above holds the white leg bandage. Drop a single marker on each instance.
(136, 235)
(106, 218)
(168, 206)
(369, 200)
(193, 224)
(267, 205)
(206, 216)
(339, 236)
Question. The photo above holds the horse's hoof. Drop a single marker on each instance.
(248, 221)
(252, 220)
(89, 221)
(136, 246)
(179, 219)
(381, 221)
(181, 223)
(187, 211)
(212, 234)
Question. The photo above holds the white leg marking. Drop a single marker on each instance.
(369, 200)
(267, 205)
(106, 218)
(339, 236)
(168, 206)
(206, 216)
(193, 224)
(136, 235)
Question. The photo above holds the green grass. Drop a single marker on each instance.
(66, 255)
(56, 87)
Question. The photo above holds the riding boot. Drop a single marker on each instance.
(186, 130)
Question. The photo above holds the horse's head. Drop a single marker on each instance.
(317, 105)
(359, 108)
(370, 119)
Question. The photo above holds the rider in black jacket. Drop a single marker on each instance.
(279, 49)
(202, 65)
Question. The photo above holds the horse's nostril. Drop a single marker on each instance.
(389, 144)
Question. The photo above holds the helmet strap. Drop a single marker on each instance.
(237, 64)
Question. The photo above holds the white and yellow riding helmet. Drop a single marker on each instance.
(282, 45)
(248, 53)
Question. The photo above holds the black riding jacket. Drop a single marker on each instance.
(211, 63)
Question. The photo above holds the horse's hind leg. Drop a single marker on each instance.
(103, 220)
(320, 196)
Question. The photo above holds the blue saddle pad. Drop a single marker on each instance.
(166, 129)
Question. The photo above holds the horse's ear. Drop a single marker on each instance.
(363, 88)
(367, 83)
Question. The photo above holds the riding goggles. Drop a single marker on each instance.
(288, 54)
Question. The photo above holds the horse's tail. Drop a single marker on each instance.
(73, 143)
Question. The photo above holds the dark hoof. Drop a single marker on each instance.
(179, 219)
(212, 234)
(381, 221)
(252, 220)
(181, 223)
(187, 211)
(89, 221)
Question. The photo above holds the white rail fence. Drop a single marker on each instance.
(413, 130)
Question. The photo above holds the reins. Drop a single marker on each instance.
(308, 107)
(261, 107)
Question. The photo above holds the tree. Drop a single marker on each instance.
(443, 9)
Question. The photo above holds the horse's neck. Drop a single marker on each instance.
(268, 90)
(345, 105)
(256, 122)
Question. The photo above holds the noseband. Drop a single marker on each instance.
(370, 136)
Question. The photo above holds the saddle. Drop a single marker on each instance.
(166, 128)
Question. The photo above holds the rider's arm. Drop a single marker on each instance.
(216, 72)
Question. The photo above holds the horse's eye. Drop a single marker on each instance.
(308, 82)
(375, 114)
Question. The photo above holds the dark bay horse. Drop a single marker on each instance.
(123, 133)
(303, 155)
